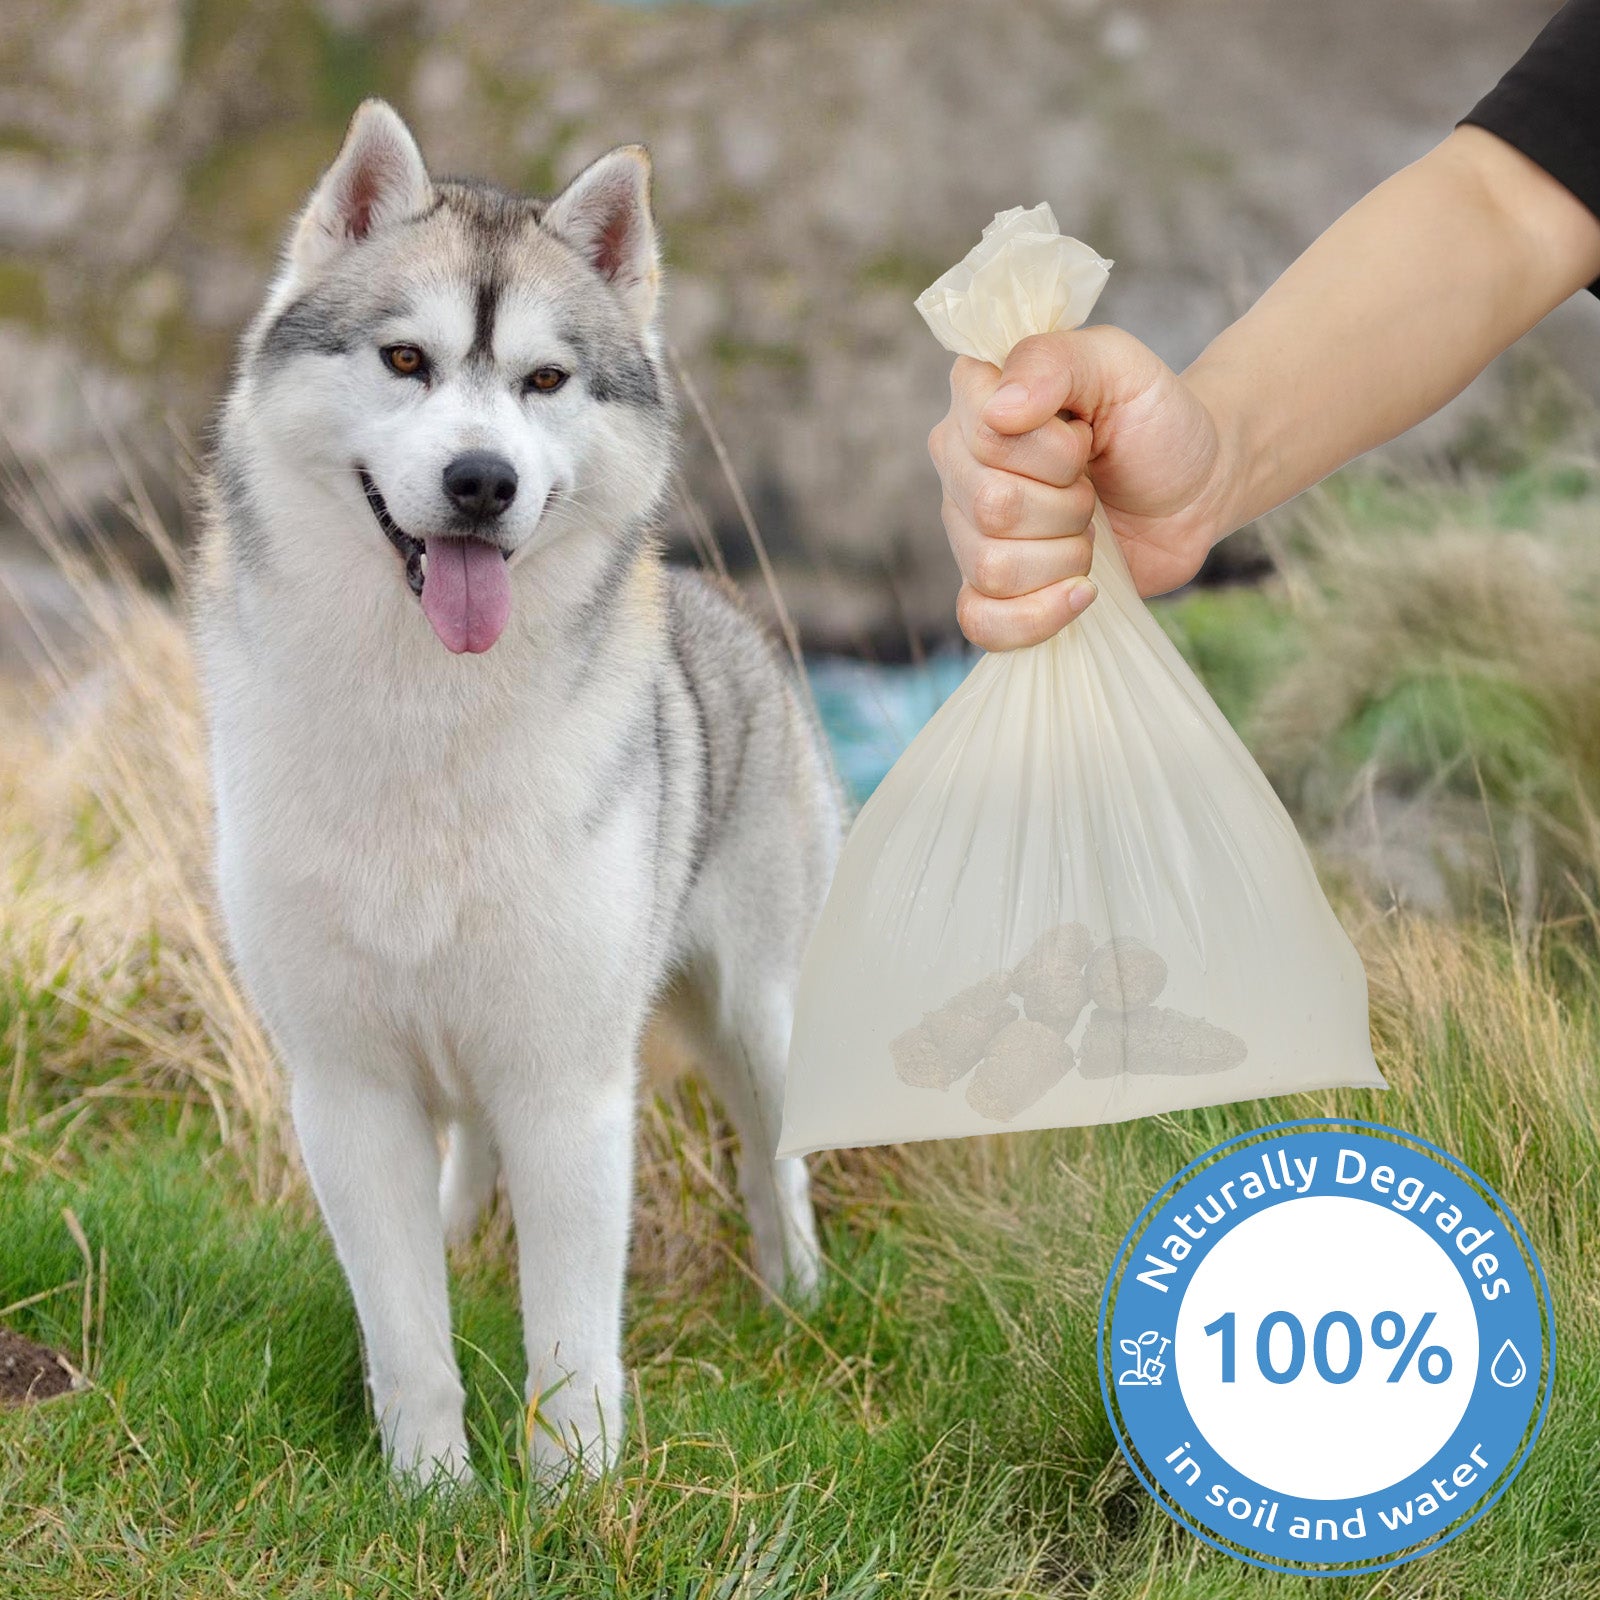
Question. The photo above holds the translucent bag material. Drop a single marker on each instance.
(1075, 898)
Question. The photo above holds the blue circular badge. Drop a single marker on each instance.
(1326, 1347)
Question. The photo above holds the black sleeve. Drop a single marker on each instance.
(1548, 105)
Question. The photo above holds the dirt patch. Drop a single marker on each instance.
(31, 1372)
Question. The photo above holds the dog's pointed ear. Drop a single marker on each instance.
(604, 214)
(377, 179)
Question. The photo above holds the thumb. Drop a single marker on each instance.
(1047, 373)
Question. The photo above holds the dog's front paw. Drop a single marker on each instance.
(424, 1436)
(443, 1466)
(568, 1433)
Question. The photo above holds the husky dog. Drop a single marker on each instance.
(488, 776)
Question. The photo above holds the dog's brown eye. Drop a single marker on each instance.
(546, 380)
(405, 359)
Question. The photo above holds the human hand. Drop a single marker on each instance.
(1022, 454)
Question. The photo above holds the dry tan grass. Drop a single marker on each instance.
(107, 922)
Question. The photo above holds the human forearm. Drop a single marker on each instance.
(1387, 316)
(1393, 311)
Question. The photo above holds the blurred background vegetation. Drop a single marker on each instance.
(817, 164)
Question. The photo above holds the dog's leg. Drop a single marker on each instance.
(569, 1175)
(466, 1184)
(370, 1149)
(745, 1050)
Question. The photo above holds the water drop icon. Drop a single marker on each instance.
(1508, 1368)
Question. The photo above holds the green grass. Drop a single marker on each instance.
(933, 1427)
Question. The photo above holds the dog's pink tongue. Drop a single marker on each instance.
(466, 593)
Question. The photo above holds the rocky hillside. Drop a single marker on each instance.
(818, 163)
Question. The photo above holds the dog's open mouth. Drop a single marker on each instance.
(411, 550)
(462, 582)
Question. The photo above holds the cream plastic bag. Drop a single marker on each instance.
(1075, 898)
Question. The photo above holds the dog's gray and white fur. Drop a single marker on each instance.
(457, 884)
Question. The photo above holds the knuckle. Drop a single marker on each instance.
(1045, 352)
(1076, 446)
(993, 569)
(969, 614)
(1032, 347)
(992, 447)
(1080, 503)
(997, 502)
(936, 436)
(950, 514)
(966, 380)
(1080, 554)
(1040, 621)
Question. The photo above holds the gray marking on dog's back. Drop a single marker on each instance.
(663, 793)
(736, 772)
(739, 680)
(632, 749)
(590, 628)
(703, 811)
(591, 622)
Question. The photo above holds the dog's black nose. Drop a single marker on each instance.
(480, 484)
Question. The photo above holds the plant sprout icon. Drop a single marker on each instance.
(1147, 1363)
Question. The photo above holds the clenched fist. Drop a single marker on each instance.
(1022, 454)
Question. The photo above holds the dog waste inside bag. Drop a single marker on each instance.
(1075, 898)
